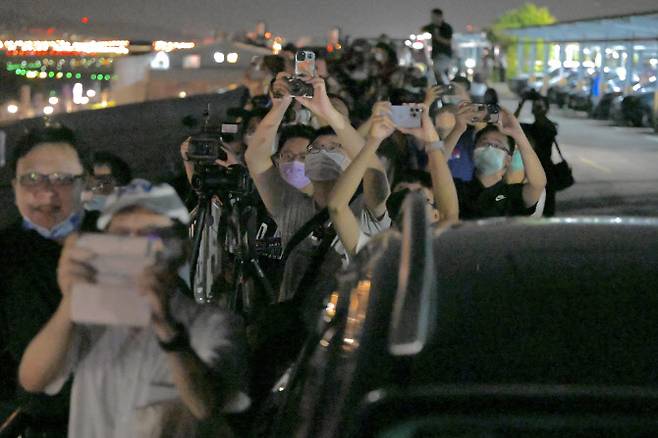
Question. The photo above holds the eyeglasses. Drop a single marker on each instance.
(496, 146)
(329, 147)
(288, 157)
(56, 179)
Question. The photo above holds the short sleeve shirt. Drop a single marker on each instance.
(499, 200)
(122, 384)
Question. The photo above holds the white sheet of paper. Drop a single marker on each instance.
(114, 298)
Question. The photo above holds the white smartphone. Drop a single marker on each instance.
(406, 116)
(305, 64)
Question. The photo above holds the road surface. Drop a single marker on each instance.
(616, 168)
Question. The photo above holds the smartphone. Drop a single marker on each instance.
(491, 112)
(406, 116)
(305, 64)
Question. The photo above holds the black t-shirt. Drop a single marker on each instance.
(29, 295)
(499, 200)
(444, 31)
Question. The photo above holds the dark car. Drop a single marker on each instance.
(496, 328)
(638, 107)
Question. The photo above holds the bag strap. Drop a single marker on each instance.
(320, 218)
(557, 146)
(311, 225)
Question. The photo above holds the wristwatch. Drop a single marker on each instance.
(180, 341)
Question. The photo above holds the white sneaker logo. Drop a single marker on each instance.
(500, 198)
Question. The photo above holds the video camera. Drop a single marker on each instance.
(205, 149)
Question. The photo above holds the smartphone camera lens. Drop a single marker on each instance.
(301, 56)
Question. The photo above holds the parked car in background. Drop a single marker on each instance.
(637, 108)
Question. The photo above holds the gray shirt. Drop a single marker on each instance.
(122, 385)
(292, 210)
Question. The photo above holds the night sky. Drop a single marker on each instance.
(151, 19)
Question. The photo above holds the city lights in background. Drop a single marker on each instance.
(91, 93)
(48, 110)
(182, 94)
(12, 109)
(232, 58)
(169, 46)
(53, 100)
(218, 57)
(60, 47)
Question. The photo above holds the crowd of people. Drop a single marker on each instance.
(331, 169)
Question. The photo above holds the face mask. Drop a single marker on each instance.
(325, 166)
(517, 162)
(96, 203)
(294, 174)
(488, 160)
(59, 231)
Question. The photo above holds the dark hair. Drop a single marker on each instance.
(325, 130)
(415, 176)
(295, 131)
(494, 128)
(464, 81)
(38, 136)
(120, 169)
(274, 63)
(437, 11)
(491, 96)
(390, 52)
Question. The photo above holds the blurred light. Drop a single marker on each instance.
(84, 100)
(77, 92)
(653, 62)
(276, 47)
(12, 109)
(589, 64)
(418, 45)
(637, 87)
(93, 76)
(107, 77)
(84, 20)
(412, 37)
(218, 57)
(69, 75)
(232, 58)
(60, 75)
(117, 47)
(408, 43)
(182, 94)
(571, 64)
(621, 72)
(160, 61)
(78, 75)
(54, 100)
(470, 63)
(470, 71)
(168, 46)
(48, 110)
(44, 75)
(31, 74)
(91, 93)
(427, 36)
(652, 79)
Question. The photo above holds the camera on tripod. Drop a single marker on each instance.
(204, 150)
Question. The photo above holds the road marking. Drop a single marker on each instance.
(595, 165)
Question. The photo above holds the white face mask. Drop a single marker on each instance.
(325, 165)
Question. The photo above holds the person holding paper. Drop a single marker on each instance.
(183, 367)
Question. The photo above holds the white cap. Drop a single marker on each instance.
(161, 199)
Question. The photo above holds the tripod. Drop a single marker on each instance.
(224, 241)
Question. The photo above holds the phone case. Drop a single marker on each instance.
(406, 116)
(306, 67)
